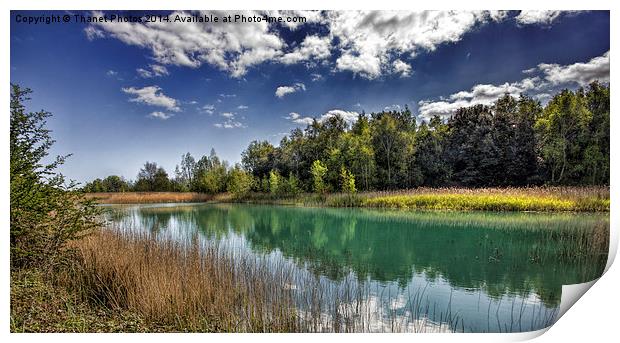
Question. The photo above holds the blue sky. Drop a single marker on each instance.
(125, 93)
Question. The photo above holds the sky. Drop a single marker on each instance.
(125, 92)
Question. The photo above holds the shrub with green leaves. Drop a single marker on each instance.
(46, 212)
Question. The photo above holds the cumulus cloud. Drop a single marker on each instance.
(550, 78)
(232, 48)
(536, 17)
(394, 107)
(160, 115)
(242, 107)
(482, 94)
(227, 114)
(155, 71)
(313, 47)
(284, 90)
(367, 39)
(298, 119)
(348, 116)
(581, 73)
(401, 68)
(154, 96)
(366, 43)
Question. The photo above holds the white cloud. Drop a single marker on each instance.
(153, 95)
(222, 95)
(160, 115)
(208, 108)
(230, 123)
(482, 94)
(111, 73)
(550, 78)
(581, 73)
(348, 116)
(366, 43)
(394, 107)
(313, 47)
(284, 90)
(402, 68)
(242, 107)
(232, 48)
(93, 33)
(298, 119)
(368, 39)
(538, 17)
(316, 77)
(156, 70)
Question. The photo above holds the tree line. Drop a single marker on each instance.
(512, 142)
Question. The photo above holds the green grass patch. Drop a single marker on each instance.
(481, 202)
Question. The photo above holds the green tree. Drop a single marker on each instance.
(563, 129)
(275, 182)
(45, 212)
(258, 158)
(152, 178)
(347, 181)
(292, 185)
(318, 171)
(240, 182)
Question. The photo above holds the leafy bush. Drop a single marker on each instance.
(45, 212)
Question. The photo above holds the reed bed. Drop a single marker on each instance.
(149, 197)
(182, 286)
(544, 199)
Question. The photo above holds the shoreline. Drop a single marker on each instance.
(535, 199)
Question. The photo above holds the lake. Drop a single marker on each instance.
(396, 270)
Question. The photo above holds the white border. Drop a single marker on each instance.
(593, 318)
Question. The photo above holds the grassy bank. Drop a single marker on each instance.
(544, 199)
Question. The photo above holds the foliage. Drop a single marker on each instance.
(240, 182)
(45, 213)
(347, 181)
(318, 171)
(275, 187)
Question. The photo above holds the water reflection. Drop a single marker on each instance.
(497, 271)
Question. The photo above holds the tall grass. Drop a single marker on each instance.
(544, 199)
(184, 287)
(149, 197)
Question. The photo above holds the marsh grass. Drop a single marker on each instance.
(183, 286)
(149, 197)
(543, 199)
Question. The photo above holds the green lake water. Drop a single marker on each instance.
(418, 271)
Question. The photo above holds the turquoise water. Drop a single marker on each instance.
(412, 271)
